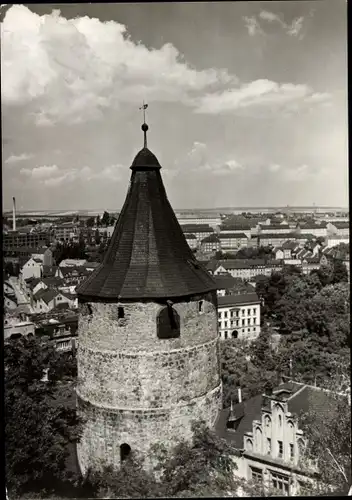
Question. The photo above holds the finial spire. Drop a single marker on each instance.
(144, 125)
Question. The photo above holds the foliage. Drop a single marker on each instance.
(261, 252)
(63, 366)
(254, 368)
(38, 430)
(90, 221)
(329, 434)
(201, 468)
(69, 250)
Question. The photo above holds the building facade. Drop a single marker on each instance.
(147, 341)
(239, 316)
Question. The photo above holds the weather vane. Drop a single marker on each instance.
(144, 126)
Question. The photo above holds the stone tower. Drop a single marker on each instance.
(148, 359)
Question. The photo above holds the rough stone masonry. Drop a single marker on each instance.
(137, 389)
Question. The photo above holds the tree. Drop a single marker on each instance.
(90, 222)
(97, 237)
(339, 274)
(105, 219)
(37, 430)
(329, 434)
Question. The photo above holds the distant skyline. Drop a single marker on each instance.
(247, 102)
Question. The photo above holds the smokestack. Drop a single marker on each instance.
(239, 395)
(13, 214)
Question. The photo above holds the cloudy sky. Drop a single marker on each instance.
(247, 102)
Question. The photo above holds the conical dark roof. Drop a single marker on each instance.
(148, 256)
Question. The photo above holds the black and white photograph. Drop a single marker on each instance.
(176, 265)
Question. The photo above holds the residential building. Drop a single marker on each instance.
(247, 269)
(73, 263)
(74, 274)
(13, 328)
(239, 228)
(191, 240)
(46, 300)
(210, 244)
(21, 238)
(192, 219)
(31, 269)
(239, 316)
(232, 241)
(273, 228)
(45, 255)
(267, 239)
(66, 231)
(266, 432)
(312, 227)
(310, 264)
(336, 239)
(60, 330)
(201, 231)
(10, 301)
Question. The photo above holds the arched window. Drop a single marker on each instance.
(267, 421)
(258, 440)
(280, 421)
(234, 334)
(168, 323)
(125, 450)
(249, 444)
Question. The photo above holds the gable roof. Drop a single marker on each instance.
(212, 238)
(224, 281)
(148, 256)
(224, 236)
(238, 298)
(302, 399)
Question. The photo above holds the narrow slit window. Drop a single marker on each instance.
(201, 306)
(120, 312)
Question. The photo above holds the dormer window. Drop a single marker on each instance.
(168, 323)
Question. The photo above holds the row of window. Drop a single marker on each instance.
(236, 313)
(237, 323)
(234, 333)
(279, 482)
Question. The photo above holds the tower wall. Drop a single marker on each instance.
(136, 388)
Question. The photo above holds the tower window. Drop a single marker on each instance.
(125, 450)
(201, 306)
(168, 323)
(120, 312)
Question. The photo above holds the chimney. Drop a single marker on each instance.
(239, 395)
(13, 214)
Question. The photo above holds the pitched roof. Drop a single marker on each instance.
(238, 298)
(235, 227)
(301, 398)
(224, 236)
(46, 295)
(190, 236)
(197, 228)
(148, 256)
(274, 226)
(212, 238)
(224, 281)
(72, 270)
(341, 224)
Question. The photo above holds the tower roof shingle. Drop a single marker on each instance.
(148, 256)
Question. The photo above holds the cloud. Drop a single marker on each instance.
(18, 158)
(254, 27)
(71, 70)
(42, 172)
(274, 167)
(258, 93)
(199, 161)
